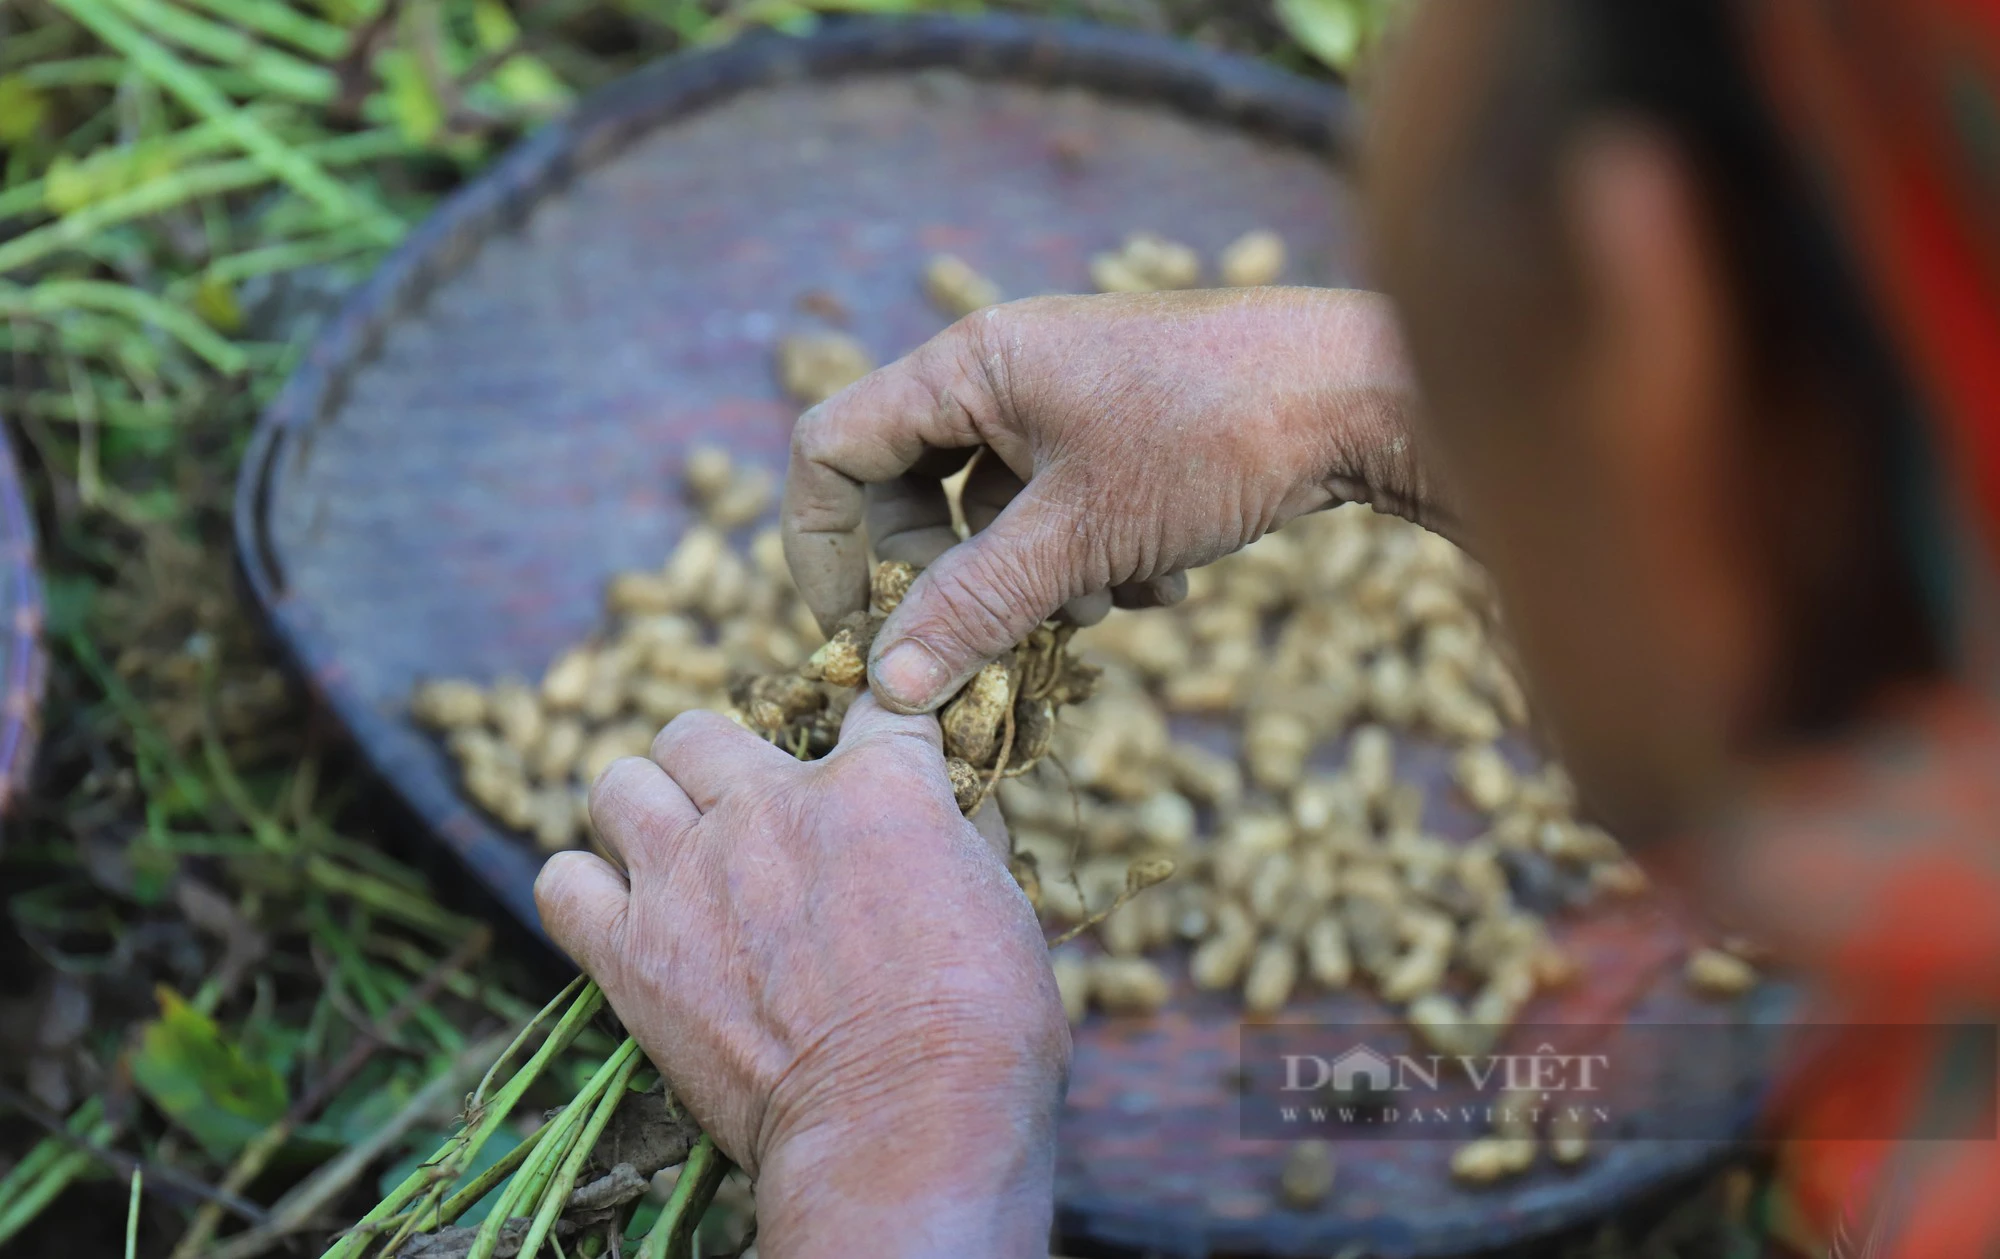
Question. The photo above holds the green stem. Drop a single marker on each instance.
(464, 1199)
(463, 986)
(671, 1234)
(49, 1149)
(31, 43)
(111, 71)
(526, 1188)
(463, 1147)
(288, 256)
(556, 1196)
(132, 1215)
(104, 165)
(74, 72)
(385, 898)
(53, 297)
(573, 990)
(145, 735)
(278, 73)
(323, 40)
(234, 793)
(16, 1214)
(160, 64)
(180, 187)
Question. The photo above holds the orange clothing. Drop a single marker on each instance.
(1879, 863)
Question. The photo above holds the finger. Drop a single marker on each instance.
(1160, 592)
(636, 810)
(1087, 609)
(874, 431)
(582, 898)
(909, 519)
(978, 600)
(706, 754)
(988, 489)
(868, 723)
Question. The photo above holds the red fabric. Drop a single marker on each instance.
(1885, 860)
(1894, 103)
(1876, 861)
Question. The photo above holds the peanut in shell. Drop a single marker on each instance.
(973, 720)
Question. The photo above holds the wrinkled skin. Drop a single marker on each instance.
(837, 977)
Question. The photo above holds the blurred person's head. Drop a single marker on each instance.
(1649, 373)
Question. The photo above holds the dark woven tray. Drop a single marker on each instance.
(494, 424)
(23, 666)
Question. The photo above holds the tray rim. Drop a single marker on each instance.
(23, 682)
(1217, 86)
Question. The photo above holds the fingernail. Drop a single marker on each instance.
(909, 675)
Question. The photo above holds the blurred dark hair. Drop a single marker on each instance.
(1689, 68)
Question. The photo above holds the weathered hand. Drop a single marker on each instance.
(1130, 437)
(837, 976)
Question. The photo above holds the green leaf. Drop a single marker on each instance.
(1328, 29)
(161, 503)
(522, 79)
(22, 109)
(204, 1083)
(124, 441)
(73, 183)
(67, 186)
(154, 870)
(275, 1042)
(417, 112)
(215, 302)
(67, 601)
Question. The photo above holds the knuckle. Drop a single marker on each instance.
(979, 350)
(812, 439)
(620, 782)
(895, 766)
(552, 882)
(560, 903)
(695, 726)
(900, 744)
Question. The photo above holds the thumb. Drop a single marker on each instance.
(582, 899)
(973, 605)
(868, 723)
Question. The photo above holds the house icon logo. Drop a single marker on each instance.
(1361, 1069)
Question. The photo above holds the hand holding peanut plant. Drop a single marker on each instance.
(876, 1024)
(1132, 436)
